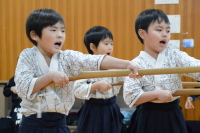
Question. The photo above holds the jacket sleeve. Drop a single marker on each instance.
(82, 89)
(7, 89)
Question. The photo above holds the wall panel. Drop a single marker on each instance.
(80, 15)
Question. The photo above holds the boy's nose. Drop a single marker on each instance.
(165, 34)
(60, 35)
(110, 46)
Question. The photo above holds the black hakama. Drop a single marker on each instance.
(100, 116)
(49, 123)
(158, 118)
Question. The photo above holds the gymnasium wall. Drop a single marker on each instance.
(80, 15)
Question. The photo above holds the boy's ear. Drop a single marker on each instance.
(142, 33)
(92, 47)
(33, 35)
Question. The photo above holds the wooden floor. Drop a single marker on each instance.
(72, 128)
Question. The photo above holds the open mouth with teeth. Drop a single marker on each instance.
(162, 42)
(58, 44)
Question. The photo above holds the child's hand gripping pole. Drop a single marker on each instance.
(181, 92)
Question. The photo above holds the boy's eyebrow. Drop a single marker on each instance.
(168, 27)
(53, 26)
(107, 41)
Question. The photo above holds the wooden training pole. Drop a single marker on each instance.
(182, 92)
(120, 73)
(191, 84)
(179, 92)
(185, 84)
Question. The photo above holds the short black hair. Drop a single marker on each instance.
(95, 35)
(40, 19)
(147, 17)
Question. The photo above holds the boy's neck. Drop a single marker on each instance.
(46, 56)
(47, 59)
(154, 54)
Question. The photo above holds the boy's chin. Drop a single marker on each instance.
(161, 50)
(56, 51)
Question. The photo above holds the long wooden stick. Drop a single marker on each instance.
(120, 73)
(182, 92)
(185, 84)
(191, 84)
(178, 92)
(117, 83)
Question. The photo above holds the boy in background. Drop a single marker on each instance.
(100, 113)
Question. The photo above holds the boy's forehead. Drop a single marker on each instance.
(58, 24)
(157, 23)
(106, 39)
